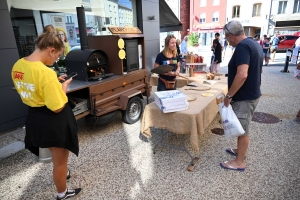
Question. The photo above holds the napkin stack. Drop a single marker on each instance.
(171, 101)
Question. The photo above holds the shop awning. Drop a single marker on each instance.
(167, 19)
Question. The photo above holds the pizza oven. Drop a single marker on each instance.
(90, 64)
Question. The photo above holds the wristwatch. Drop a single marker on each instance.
(228, 96)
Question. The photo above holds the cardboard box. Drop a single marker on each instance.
(189, 58)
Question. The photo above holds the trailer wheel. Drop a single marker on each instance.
(133, 111)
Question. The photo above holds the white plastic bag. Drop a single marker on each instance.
(231, 124)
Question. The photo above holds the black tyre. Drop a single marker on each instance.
(133, 110)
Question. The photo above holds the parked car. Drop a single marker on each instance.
(286, 42)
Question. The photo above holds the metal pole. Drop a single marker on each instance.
(287, 60)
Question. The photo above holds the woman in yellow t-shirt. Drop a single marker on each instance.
(63, 36)
(50, 122)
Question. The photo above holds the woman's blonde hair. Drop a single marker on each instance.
(62, 30)
(178, 42)
(166, 48)
(49, 39)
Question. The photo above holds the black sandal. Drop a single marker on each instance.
(297, 119)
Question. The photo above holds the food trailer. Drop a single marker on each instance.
(111, 73)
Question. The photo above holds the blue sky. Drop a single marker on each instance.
(126, 3)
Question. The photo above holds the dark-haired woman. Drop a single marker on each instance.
(215, 66)
(168, 56)
(50, 122)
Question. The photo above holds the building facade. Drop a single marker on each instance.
(207, 17)
(284, 16)
(253, 14)
(22, 21)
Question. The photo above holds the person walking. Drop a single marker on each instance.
(215, 66)
(178, 47)
(225, 46)
(261, 42)
(183, 46)
(256, 38)
(217, 37)
(244, 80)
(50, 121)
(274, 45)
(266, 50)
(168, 56)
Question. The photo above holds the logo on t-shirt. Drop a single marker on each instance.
(167, 62)
(18, 75)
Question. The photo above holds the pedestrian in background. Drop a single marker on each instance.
(217, 37)
(261, 42)
(266, 50)
(256, 38)
(50, 121)
(297, 76)
(183, 46)
(178, 47)
(225, 44)
(244, 80)
(274, 45)
(215, 66)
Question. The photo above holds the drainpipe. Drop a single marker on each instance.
(269, 17)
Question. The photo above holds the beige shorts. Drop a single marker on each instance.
(244, 111)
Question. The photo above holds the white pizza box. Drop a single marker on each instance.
(175, 109)
(171, 105)
(165, 97)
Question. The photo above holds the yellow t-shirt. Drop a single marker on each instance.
(38, 85)
(67, 49)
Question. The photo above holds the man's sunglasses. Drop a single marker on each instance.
(225, 27)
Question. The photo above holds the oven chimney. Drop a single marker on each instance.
(82, 27)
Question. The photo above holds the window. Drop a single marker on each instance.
(215, 16)
(69, 19)
(86, 1)
(296, 6)
(256, 10)
(202, 3)
(116, 21)
(202, 18)
(282, 7)
(236, 11)
(216, 2)
(111, 20)
(86, 19)
(110, 9)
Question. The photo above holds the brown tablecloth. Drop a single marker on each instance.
(180, 81)
(193, 121)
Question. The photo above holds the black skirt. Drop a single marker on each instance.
(45, 129)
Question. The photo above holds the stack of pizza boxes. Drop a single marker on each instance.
(171, 101)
